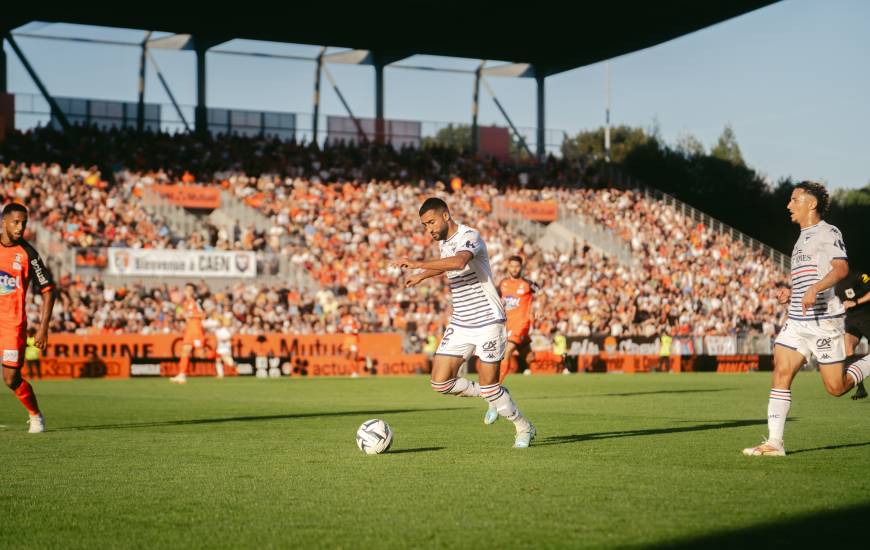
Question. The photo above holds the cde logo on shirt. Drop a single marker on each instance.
(8, 283)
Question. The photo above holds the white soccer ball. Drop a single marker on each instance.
(374, 437)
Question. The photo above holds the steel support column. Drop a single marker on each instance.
(542, 146)
(316, 121)
(140, 106)
(55, 109)
(201, 113)
(475, 106)
(379, 100)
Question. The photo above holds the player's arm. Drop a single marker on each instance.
(862, 284)
(453, 263)
(44, 284)
(839, 271)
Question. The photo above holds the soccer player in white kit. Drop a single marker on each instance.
(816, 316)
(477, 324)
(224, 348)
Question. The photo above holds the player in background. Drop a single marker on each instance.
(20, 266)
(477, 322)
(516, 293)
(854, 292)
(815, 322)
(223, 335)
(194, 333)
(350, 327)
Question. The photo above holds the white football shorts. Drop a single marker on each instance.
(488, 342)
(823, 338)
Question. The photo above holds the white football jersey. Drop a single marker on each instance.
(475, 300)
(816, 247)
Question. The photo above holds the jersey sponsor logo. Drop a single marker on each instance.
(798, 258)
(823, 343)
(40, 274)
(510, 302)
(8, 283)
(521, 290)
(16, 266)
(469, 244)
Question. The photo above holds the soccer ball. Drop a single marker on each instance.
(374, 437)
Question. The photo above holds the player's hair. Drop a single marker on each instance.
(817, 190)
(516, 259)
(14, 207)
(433, 203)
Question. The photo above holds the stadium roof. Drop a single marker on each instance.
(553, 36)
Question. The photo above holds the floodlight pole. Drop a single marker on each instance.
(200, 115)
(475, 102)
(140, 107)
(317, 74)
(55, 109)
(539, 78)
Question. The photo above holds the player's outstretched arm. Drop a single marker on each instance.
(452, 263)
(839, 271)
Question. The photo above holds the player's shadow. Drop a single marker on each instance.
(831, 448)
(659, 392)
(579, 438)
(804, 531)
(417, 450)
(258, 418)
(624, 394)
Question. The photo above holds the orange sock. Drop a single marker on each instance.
(182, 364)
(25, 394)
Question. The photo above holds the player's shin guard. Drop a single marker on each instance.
(859, 370)
(457, 386)
(24, 393)
(499, 398)
(777, 412)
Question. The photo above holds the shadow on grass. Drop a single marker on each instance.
(658, 392)
(824, 529)
(626, 394)
(417, 450)
(194, 421)
(579, 438)
(830, 448)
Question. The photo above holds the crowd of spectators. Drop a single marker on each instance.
(341, 215)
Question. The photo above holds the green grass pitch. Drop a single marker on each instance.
(620, 461)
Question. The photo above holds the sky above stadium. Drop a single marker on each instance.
(792, 80)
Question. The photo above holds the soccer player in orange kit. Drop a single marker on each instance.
(21, 266)
(194, 334)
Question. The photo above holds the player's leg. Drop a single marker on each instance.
(525, 355)
(183, 362)
(787, 361)
(445, 381)
(830, 348)
(491, 412)
(454, 349)
(852, 338)
(491, 352)
(24, 392)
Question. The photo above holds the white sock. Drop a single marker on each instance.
(462, 387)
(219, 367)
(777, 412)
(500, 398)
(859, 370)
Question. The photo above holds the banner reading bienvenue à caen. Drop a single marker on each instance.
(150, 262)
